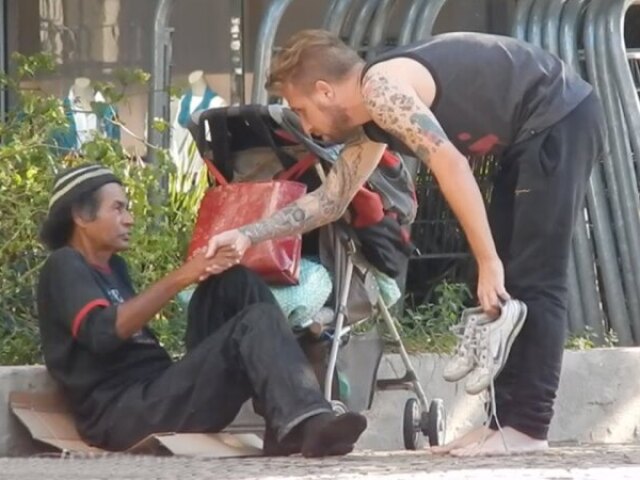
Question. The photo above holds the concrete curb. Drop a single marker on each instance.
(14, 437)
(598, 401)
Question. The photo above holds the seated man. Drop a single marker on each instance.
(121, 384)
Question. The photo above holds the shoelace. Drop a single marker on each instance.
(491, 415)
(483, 344)
(492, 390)
(481, 353)
(479, 343)
(465, 342)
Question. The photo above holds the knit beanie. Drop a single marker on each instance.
(74, 182)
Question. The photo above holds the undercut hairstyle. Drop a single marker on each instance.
(309, 56)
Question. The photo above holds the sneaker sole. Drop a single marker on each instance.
(457, 378)
(511, 339)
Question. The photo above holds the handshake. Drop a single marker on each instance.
(484, 345)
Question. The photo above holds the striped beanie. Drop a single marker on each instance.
(74, 182)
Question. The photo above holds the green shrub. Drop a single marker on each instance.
(29, 164)
(427, 327)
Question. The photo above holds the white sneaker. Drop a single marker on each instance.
(464, 359)
(493, 343)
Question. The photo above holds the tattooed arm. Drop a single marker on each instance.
(357, 161)
(394, 105)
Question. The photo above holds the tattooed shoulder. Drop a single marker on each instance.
(396, 107)
(375, 86)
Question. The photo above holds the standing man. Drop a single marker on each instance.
(455, 95)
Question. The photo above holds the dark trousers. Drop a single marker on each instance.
(538, 193)
(240, 346)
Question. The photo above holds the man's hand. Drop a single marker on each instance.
(233, 240)
(199, 267)
(231, 244)
(491, 290)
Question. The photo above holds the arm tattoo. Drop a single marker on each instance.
(284, 222)
(357, 160)
(398, 109)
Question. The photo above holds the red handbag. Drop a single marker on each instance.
(231, 205)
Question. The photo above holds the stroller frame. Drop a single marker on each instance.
(421, 417)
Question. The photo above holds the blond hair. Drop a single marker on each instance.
(308, 56)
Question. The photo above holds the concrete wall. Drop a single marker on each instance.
(598, 402)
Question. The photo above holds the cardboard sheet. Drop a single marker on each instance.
(48, 419)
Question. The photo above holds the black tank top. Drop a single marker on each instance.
(491, 91)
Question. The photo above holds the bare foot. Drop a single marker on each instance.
(510, 442)
(469, 438)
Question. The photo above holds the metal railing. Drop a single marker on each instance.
(604, 272)
(368, 32)
(159, 97)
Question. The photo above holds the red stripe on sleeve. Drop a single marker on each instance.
(82, 314)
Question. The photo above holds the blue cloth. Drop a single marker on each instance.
(67, 139)
(389, 290)
(299, 302)
(185, 105)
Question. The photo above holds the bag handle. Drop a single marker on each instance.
(220, 179)
(220, 148)
(219, 166)
(292, 173)
(299, 168)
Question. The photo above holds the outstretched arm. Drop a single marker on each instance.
(395, 106)
(328, 203)
(357, 161)
(92, 318)
(138, 311)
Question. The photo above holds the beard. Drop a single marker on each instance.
(341, 127)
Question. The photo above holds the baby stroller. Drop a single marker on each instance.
(253, 143)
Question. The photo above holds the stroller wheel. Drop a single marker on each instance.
(411, 424)
(435, 424)
(338, 407)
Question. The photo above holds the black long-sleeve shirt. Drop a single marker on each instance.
(77, 308)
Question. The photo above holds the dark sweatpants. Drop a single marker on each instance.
(537, 195)
(248, 351)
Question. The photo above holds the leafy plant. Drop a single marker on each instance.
(30, 163)
(427, 327)
(589, 340)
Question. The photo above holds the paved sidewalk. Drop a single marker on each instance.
(575, 463)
